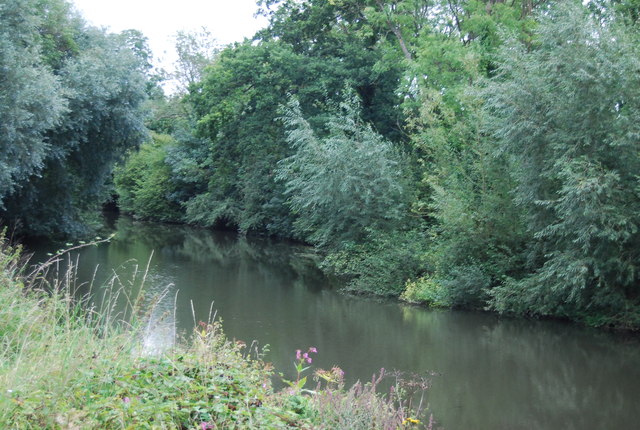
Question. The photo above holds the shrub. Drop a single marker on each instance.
(425, 290)
(382, 264)
(145, 183)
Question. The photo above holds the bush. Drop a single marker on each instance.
(145, 183)
(425, 290)
(382, 264)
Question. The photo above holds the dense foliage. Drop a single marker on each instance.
(70, 104)
(145, 185)
(343, 186)
(462, 153)
(566, 116)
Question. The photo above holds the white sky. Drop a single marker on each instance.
(159, 20)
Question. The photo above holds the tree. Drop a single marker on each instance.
(463, 188)
(310, 49)
(344, 186)
(32, 99)
(566, 113)
(196, 50)
(235, 107)
(67, 163)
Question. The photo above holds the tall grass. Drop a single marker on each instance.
(79, 363)
(53, 343)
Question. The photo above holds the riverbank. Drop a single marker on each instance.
(64, 365)
(394, 268)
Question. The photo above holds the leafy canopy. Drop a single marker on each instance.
(344, 185)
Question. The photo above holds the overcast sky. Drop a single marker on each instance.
(159, 20)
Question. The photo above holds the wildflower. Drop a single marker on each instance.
(298, 354)
(313, 349)
(410, 421)
(126, 400)
(203, 329)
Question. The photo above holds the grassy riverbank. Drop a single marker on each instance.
(66, 365)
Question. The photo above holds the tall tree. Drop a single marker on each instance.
(463, 189)
(32, 99)
(196, 50)
(566, 114)
(311, 49)
(102, 84)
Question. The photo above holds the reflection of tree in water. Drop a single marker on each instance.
(572, 369)
(538, 374)
(153, 236)
(226, 249)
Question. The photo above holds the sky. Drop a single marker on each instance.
(159, 20)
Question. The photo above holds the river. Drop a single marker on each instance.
(487, 372)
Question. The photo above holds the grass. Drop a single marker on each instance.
(68, 364)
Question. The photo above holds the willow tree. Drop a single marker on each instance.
(345, 185)
(71, 108)
(31, 97)
(566, 114)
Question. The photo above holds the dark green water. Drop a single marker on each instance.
(491, 373)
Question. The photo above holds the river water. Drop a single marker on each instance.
(487, 372)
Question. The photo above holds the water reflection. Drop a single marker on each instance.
(492, 373)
